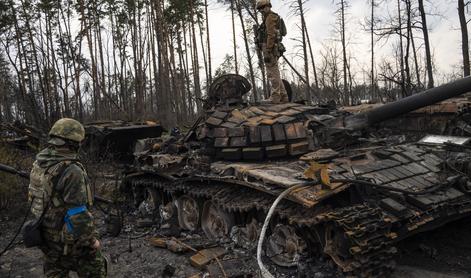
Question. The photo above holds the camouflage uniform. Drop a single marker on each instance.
(271, 55)
(68, 239)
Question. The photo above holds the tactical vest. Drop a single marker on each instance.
(262, 30)
(42, 181)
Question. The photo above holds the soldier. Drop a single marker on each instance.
(269, 36)
(61, 195)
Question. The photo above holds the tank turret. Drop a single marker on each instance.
(346, 195)
(234, 130)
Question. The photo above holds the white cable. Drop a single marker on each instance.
(264, 271)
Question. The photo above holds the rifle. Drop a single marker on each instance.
(113, 219)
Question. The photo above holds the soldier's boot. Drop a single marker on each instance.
(275, 98)
(284, 98)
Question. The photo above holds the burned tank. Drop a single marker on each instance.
(348, 195)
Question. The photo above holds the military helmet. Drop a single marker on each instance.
(262, 3)
(68, 129)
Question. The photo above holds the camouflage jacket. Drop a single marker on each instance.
(71, 190)
(271, 25)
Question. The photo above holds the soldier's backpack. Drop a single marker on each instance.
(282, 26)
(42, 181)
(283, 31)
(41, 194)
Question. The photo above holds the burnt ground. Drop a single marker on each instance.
(442, 253)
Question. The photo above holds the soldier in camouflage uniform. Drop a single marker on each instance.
(60, 186)
(269, 40)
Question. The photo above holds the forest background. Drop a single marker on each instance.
(154, 59)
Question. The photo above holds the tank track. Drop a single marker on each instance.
(366, 249)
(234, 198)
(368, 240)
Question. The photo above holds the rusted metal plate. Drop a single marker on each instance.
(237, 114)
(228, 125)
(213, 121)
(267, 122)
(238, 141)
(298, 148)
(284, 119)
(290, 131)
(279, 133)
(265, 134)
(236, 132)
(235, 120)
(203, 257)
(290, 112)
(231, 153)
(300, 130)
(220, 132)
(276, 151)
(256, 110)
(254, 134)
(219, 114)
(221, 142)
(256, 153)
(254, 121)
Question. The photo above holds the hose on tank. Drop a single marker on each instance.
(264, 271)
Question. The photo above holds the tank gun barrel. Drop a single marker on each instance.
(408, 104)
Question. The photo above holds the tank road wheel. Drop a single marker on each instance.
(284, 246)
(247, 235)
(188, 212)
(167, 211)
(150, 204)
(216, 222)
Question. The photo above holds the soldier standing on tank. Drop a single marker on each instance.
(60, 187)
(268, 39)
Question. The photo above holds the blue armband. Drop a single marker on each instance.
(72, 212)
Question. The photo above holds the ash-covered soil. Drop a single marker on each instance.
(443, 253)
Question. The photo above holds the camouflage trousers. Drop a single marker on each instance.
(90, 263)
(278, 92)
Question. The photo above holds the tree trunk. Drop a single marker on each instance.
(401, 49)
(247, 50)
(373, 81)
(205, 61)
(208, 44)
(346, 91)
(307, 93)
(428, 55)
(416, 62)
(234, 38)
(316, 82)
(196, 70)
(464, 38)
(36, 61)
(407, 55)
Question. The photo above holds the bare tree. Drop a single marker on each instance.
(464, 36)
(428, 55)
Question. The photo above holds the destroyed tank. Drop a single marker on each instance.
(356, 195)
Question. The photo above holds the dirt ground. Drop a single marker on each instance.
(443, 253)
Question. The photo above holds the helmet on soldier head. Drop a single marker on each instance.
(67, 129)
(262, 4)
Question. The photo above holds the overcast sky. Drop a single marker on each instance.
(445, 35)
